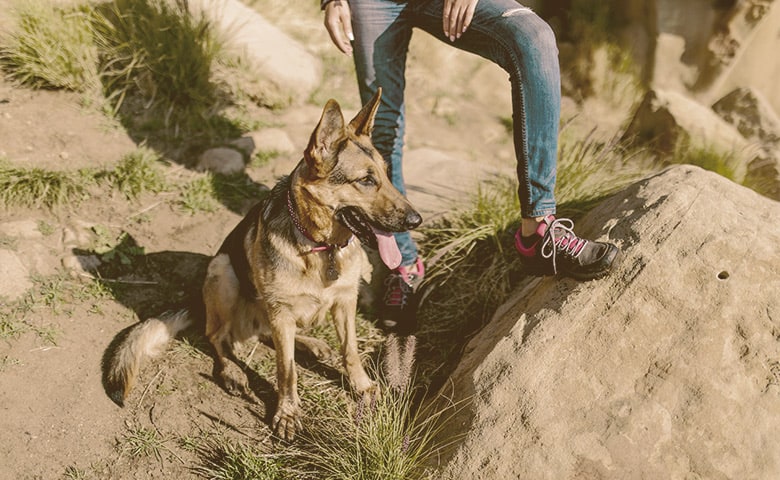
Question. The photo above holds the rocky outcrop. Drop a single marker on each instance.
(289, 71)
(668, 368)
(752, 115)
(666, 118)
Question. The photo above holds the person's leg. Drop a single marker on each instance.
(382, 36)
(516, 39)
(524, 45)
(382, 33)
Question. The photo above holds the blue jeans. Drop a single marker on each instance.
(503, 31)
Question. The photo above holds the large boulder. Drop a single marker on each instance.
(289, 70)
(665, 118)
(750, 113)
(667, 368)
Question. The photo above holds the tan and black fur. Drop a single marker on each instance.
(271, 276)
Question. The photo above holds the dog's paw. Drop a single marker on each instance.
(234, 381)
(287, 421)
(315, 346)
(370, 394)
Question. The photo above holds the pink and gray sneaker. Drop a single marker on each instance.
(555, 249)
(398, 311)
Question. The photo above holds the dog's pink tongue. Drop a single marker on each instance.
(388, 249)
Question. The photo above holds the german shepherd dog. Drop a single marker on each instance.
(295, 256)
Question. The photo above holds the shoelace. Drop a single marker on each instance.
(397, 291)
(567, 242)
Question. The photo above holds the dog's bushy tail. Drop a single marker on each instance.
(144, 340)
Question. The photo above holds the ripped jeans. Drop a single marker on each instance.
(503, 31)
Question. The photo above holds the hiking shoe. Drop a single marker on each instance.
(555, 249)
(398, 311)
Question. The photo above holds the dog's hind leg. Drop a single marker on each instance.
(222, 301)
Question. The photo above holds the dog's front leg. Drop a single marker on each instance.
(343, 313)
(288, 412)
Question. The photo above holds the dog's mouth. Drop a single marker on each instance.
(384, 242)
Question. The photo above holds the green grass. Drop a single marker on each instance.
(37, 187)
(199, 195)
(390, 436)
(50, 47)
(230, 460)
(160, 53)
(708, 158)
(136, 173)
(143, 442)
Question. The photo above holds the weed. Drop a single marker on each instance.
(235, 190)
(10, 326)
(161, 53)
(8, 243)
(7, 361)
(262, 158)
(46, 228)
(228, 460)
(199, 195)
(144, 442)
(136, 173)
(386, 437)
(50, 47)
(73, 473)
(36, 187)
(708, 158)
(192, 347)
(122, 249)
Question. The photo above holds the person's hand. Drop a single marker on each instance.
(457, 16)
(338, 21)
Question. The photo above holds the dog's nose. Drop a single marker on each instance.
(413, 220)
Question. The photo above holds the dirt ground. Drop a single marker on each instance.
(56, 420)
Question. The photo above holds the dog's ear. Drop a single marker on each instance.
(363, 123)
(320, 152)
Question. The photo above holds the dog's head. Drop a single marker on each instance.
(344, 174)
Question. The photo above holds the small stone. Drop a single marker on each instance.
(222, 160)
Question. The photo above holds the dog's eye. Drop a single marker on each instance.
(367, 181)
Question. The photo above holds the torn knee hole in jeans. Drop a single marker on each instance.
(516, 11)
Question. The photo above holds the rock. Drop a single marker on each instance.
(667, 368)
(222, 160)
(14, 277)
(763, 173)
(273, 140)
(750, 114)
(665, 118)
(81, 263)
(272, 53)
(245, 144)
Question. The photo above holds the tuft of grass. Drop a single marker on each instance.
(708, 158)
(73, 473)
(229, 460)
(136, 173)
(50, 47)
(390, 436)
(144, 442)
(199, 195)
(160, 52)
(36, 187)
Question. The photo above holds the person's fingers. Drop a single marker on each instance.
(338, 22)
(466, 16)
(445, 18)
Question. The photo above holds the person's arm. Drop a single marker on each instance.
(457, 16)
(338, 22)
